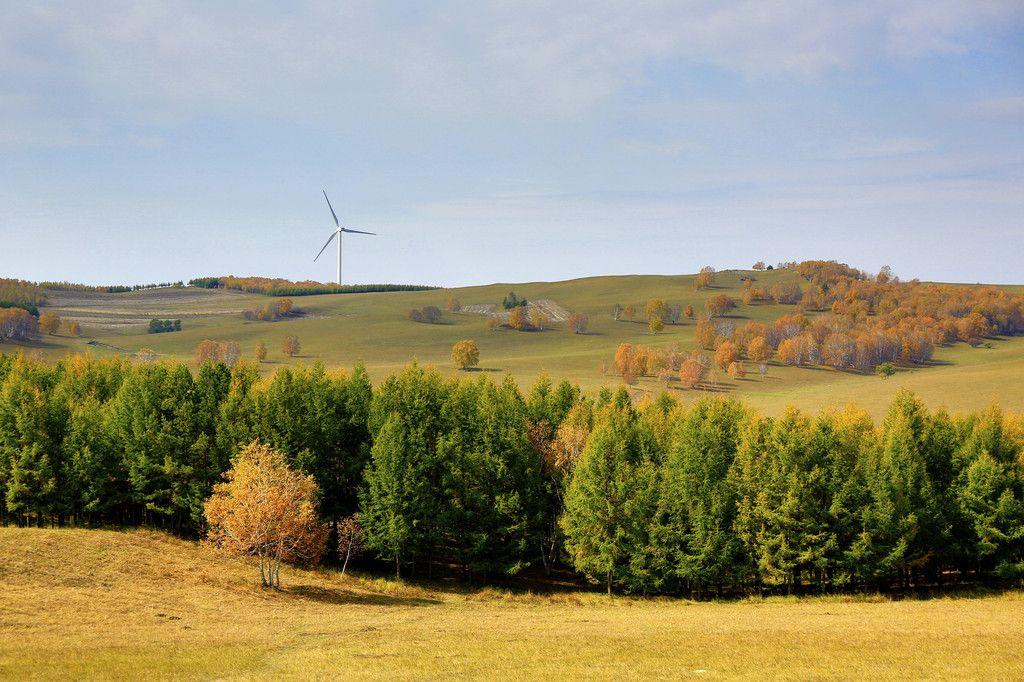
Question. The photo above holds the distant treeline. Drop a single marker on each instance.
(18, 293)
(108, 288)
(659, 497)
(283, 287)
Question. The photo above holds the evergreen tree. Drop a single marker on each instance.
(993, 503)
(393, 505)
(611, 499)
(698, 499)
(900, 520)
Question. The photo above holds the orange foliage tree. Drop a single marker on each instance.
(266, 509)
(705, 278)
(465, 354)
(726, 354)
(692, 372)
(706, 334)
(49, 323)
(656, 308)
(578, 323)
(719, 305)
(291, 345)
(517, 318)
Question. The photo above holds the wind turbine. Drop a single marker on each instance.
(337, 233)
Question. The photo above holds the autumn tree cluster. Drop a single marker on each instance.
(226, 352)
(273, 311)
(429, 314)
(656, 311)
(18, 293)
(17, 324)
(658, 497)
(849, 320)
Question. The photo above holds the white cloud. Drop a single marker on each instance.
(157, 64)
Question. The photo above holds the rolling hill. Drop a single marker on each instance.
(141, 604)
(374, 327)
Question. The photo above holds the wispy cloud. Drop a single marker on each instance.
(873, 148)
(998, 108)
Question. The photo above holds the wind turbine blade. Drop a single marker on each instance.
(345, 229)
(328, 243)
(332, 210)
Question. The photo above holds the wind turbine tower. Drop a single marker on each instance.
(337, 233)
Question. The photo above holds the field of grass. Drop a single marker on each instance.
(141, 604)
(340, 329)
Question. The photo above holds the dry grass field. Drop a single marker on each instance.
(140, 604)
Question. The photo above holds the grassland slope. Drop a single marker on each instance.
(374, 327)
(140, 604)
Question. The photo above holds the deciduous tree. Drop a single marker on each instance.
(517, 318)
(656, 307)
(206, 351)
(578, 323)
(538, 319)
(726, 354)
(350, 540)
(465, 354)
(268, 510)
(291, 346)
(719, 305)
(49, 323)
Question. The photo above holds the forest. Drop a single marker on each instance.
(478, 478)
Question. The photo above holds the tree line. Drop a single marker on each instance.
(654, 497)
(275, 286)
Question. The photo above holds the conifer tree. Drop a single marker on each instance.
(611, 498)
(392, 504)
(699, 496)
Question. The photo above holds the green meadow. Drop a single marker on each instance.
(340, 330)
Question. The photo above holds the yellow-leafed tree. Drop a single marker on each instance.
(268, 510)
(466, 354)
(49, 323)
(291, 345)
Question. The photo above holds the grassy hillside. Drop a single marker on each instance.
(140, 604)
(340, 329)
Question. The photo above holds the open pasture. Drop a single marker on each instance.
(374, 327)
(141, 604)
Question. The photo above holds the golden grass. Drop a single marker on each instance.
(140, 604)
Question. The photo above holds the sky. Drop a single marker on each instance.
(506, 142)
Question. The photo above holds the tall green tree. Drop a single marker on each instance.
(698, 499)
(394, 503)
(611, 500)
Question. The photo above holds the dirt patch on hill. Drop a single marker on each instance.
(550, 308)
(137, 308)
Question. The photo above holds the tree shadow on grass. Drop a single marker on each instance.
(333, 595)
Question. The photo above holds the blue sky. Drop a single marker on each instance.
(510, 141)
